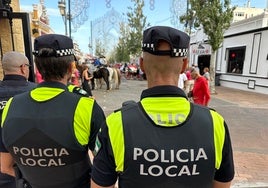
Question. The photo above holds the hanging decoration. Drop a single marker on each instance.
(108, 3)
(79, 13)
(152, 5)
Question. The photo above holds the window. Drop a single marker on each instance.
(241, 14)
(235, 60)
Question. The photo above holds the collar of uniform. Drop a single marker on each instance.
(163, 91)
(53, 85)
(14, 77)
(47, 90)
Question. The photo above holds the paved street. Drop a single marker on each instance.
(246, 114)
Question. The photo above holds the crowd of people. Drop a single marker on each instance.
(195, 85)
(163, 140)
(132, 71)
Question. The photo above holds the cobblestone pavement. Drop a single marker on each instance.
(246, 114)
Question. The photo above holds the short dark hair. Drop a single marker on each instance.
(52, 68)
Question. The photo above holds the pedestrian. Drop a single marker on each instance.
(195, 66)
(49, 130)
(85, 80)
(75, 79)
(189, 84)
(163, 140)
(182, 81)
(206, 73)
(200, 92)
(16, 72)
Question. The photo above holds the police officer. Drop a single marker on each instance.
(49, 130)
(163, 140)
(16, 72)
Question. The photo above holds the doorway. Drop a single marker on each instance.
(203, 61)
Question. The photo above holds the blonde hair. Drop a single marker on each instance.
(73, 65)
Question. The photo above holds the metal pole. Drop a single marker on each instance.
(1, 50)
(26, 39)
(11, 28)
(91, 37)
(70, 17)
(187, 14)
(65, 23)
(65, 18)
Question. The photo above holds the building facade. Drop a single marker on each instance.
(242, 61)
(10, 31)
(241, 13)
(24, 28)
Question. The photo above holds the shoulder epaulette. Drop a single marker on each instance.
(78, 90)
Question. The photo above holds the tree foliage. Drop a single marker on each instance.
(122, 52)
(99, 51)
(137, 23)
(190, 21)
(130, 38)
(215, 17)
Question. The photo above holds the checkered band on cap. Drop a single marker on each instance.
(148, 46)
(65, 52)
(59, 53)
(180, 52)
(176, 52)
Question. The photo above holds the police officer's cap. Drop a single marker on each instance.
(178, 41)
(61, 45)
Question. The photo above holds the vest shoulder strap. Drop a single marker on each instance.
(127, 104)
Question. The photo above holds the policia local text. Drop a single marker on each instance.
(41, 157)
(171, 156)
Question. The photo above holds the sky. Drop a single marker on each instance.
(159, 13)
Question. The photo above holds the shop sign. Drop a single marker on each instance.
(201, 49)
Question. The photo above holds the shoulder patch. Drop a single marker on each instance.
(97, 146)
(80, 91)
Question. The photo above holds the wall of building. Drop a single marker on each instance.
(5, 33)
(252, 36)
(241, 13)
(254, 75)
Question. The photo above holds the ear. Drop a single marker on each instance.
(184, 64)
(23, 69)
(141, 64)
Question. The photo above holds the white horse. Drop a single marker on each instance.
(114, 77)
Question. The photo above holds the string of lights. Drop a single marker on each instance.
(76, 14)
